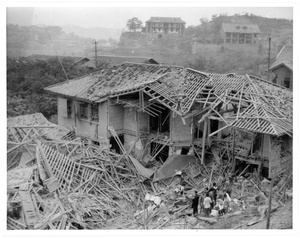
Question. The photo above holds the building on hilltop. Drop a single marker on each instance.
(282, 67)
(160, 26)
(240, 33)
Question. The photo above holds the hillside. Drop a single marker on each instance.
(94, 33)
(210, 30)
(210, 54)
(28, 76)
(28, 40)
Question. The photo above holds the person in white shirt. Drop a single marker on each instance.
(207, 205)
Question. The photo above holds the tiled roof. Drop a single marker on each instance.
(166, 19)
(266, 108)
(284, 57)
(240, 28)
(127, 76)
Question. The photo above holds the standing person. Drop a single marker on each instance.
(214, 190)
(195, 203)
(207, 203)
(201, 199)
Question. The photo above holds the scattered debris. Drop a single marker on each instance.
(60, 182)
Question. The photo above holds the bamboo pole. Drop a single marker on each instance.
(211, 173)
(233, 157)
(203, 141)
(270, 200)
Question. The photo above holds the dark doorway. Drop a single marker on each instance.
(163, 154)
(114, 145)
(185, 150)
(213, 125)
(160, 123)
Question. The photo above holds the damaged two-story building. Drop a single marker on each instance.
(158, 111)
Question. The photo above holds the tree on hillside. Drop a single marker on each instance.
(134, 24)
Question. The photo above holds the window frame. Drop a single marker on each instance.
(95, 107)
(287, 81)
(69, 108)
(83, 114)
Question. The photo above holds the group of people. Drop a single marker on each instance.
(210, 200)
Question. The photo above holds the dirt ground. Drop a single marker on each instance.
(282, 218)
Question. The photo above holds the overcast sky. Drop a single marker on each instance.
(116, 17)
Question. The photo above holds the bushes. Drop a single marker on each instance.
(26, 80)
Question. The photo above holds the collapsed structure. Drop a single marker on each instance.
(162, 110)
(124, 135)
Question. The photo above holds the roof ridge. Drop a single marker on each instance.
(280, 51)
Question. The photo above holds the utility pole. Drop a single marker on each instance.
(269, 57)
(273, 173)
(233, 155)
(95, 53)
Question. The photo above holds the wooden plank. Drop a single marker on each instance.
(27, 205)
(45, 161)
(16, 222)
(203, 141)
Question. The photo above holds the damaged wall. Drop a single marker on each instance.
(116, 118)
(62, 115)
(135, 123)
(83, 127)
(143, 122)
(281, 156)
(130, 130)
(130, 121)
(179, 131)
(103, 121)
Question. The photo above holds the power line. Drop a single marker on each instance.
(56, 54)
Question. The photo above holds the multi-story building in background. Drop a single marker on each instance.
(160, 26)
(240, 33)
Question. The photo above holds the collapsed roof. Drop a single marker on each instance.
(258, 105)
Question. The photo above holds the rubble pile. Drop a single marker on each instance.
(63, 183)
